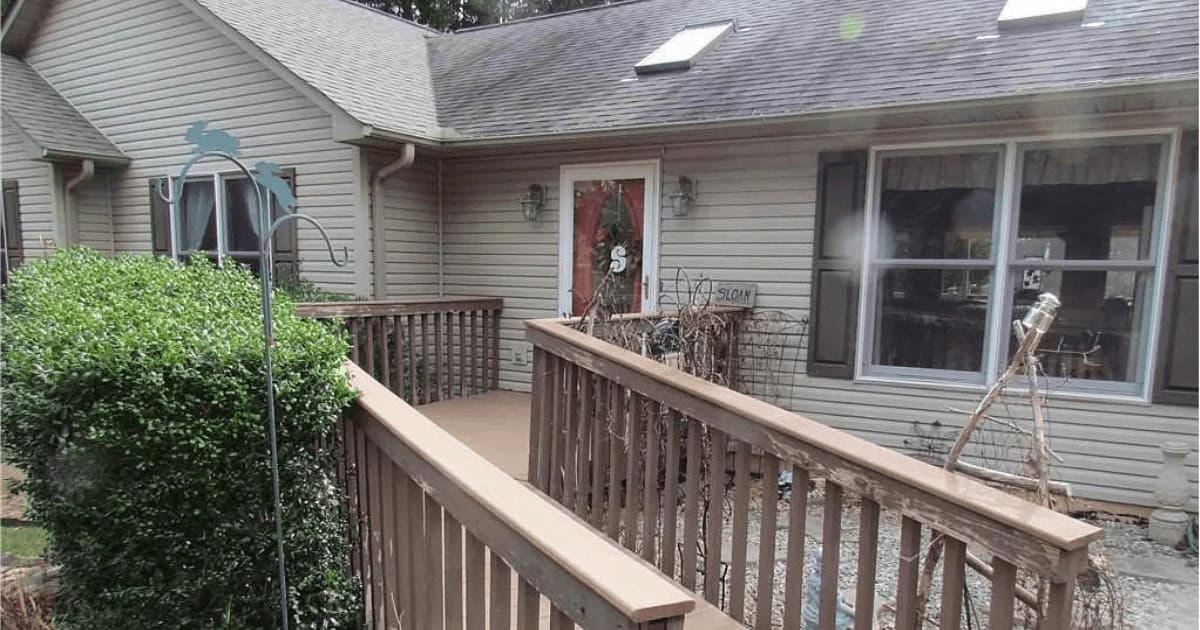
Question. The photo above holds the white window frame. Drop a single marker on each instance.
(218, 178)
(650, 171)
(1005, 225)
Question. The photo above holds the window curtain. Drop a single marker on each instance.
(250, 199)
(932, 172)
(587, 220)
(633, 196)
(198, 207)
(1092, 165)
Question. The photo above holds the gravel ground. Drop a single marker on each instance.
(1149, 604)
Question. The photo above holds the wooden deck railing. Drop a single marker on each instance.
(424, 349)
(623, 440)
(445, 534)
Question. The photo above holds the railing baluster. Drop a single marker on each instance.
(546, 420)
(559, 620)
(650, 485)
(416, 531)
(528, 604)
(450, 355)
(374, 526)
(633, 439)
(387, 539)
(1062, 594)
(462, 354)
(831, 539)
(355, 326)
(953, 569)
(793, 589)
(868, 544)
(557, 419)
(584, 455)
(1004, 589)
(670, 496)
(600, 444)
(425, 362)
(397, 384)
(616, 453)
(906, 581)
(691, 504)
(435, 554)
(350, 479)
(766, 542)
(453, 569)
(405, 589)
(437, 356)
(495, 316)
(474, 604)
(570, 435)
(716, 492)
(384, 356)
(413, 378)
(538, 393)
(371, 324)
(741, 518)
(485, 347)
(474, 352)
(363, 473)
(501, 594)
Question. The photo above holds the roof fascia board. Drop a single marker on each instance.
(18, 28)
(842, 114)
(300, 85)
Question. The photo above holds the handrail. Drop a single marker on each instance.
(402, 306)
(1026, 534)
(583, 574)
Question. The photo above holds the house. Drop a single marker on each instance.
(907, 175)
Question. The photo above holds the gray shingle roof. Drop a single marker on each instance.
(48, 119)
(372, 65)
(574, 72)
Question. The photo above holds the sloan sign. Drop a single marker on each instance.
(736, 293)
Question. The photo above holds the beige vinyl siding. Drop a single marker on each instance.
(143, 70)
(753, 222)
(34, 187)
(92, 208)
(411, 227)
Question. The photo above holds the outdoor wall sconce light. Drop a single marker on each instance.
(683, 197)
(533, 202)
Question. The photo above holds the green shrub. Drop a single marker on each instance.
(133, 399)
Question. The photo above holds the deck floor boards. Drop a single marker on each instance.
(494, 424)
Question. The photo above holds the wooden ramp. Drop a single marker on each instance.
(494, 424)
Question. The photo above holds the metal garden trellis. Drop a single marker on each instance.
(217, 143)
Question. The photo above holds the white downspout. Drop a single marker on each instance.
(378, 218)
(441, 252)
(87, 170)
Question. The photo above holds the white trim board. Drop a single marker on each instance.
(650, 171)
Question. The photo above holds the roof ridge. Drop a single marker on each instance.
(547, 16)
(399, 18)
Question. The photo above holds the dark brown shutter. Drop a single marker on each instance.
(160, 221)
(14, 246)
(1177, 356)
(833, 318)
(285, 245)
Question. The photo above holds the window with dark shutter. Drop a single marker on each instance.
(12, 251)
(1177, 378)
(833, 319)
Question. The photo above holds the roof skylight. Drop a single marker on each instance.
(1034, 11)
(684, 47)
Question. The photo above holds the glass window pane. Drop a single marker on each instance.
(931, 318)
(937, 206)
(1097, 334)
(198, 217)
(1088, 203)
(607, 256)
(241, 223)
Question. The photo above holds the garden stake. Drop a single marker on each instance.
(212, 142)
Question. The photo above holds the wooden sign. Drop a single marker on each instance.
(736, 293)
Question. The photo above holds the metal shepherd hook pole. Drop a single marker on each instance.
(220, 144)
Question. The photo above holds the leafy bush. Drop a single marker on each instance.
(133, 399)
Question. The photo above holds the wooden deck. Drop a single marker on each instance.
(494, 424)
